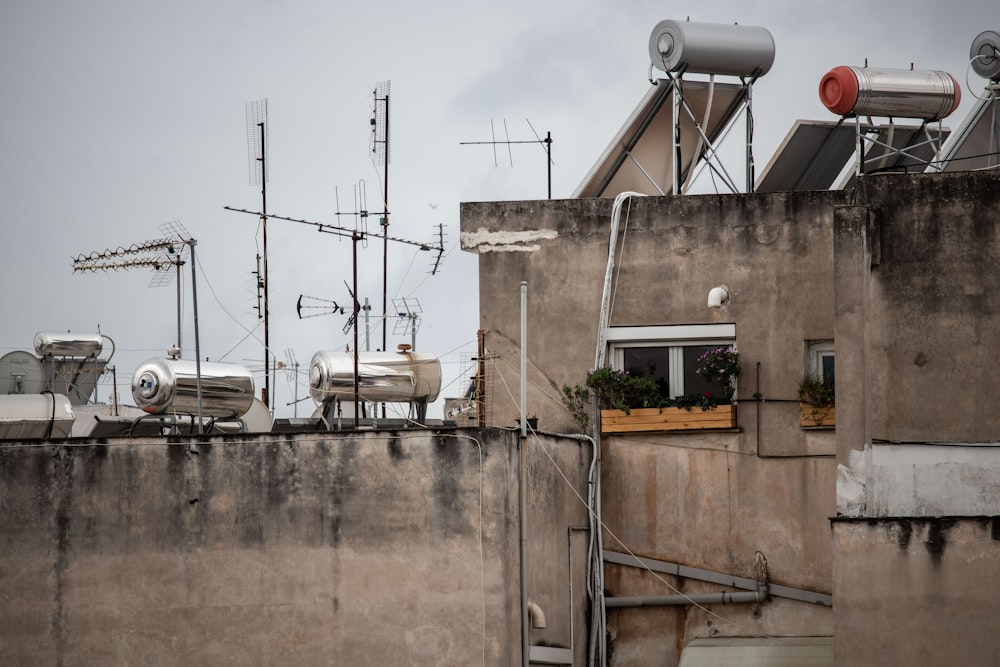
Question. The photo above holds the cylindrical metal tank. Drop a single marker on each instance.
(711, 48)
(985, 55)
(382, 376)
(900, 93)
(171, 386)
(68, 344)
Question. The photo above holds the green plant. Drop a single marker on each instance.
(619, 390)
(577, 401)
(816, 391)
(721, 365)
(819, 394)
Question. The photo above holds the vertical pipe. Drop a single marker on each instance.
(676, 141)
(522, 491)
(749, 114)
(197, 340)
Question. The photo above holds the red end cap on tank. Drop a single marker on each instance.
(838, 90)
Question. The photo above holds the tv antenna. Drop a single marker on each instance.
(159, 255)
(257, 122)
(292, 369)
(356, 236)
(408, 310)
(380, 157)
(507, 141)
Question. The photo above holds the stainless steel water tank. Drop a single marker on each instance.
(711, 48)
(382, 376)
(68, 344)
(900, 93)
(171, 386)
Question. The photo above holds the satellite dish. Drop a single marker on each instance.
(258, 418)
(20, 373)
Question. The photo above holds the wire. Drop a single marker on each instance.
(605, 527)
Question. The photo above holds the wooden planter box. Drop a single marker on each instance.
(810, 415)
(653, 420)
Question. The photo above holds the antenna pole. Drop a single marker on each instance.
(267, 330)
(548, 158)
(197, 342)
(178, 267)
(355, 237)
(385, 227)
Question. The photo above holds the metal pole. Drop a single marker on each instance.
(368, 343)
(522, 491)
(267, 309)
(357, 392)
(179, 346)
(548, 158)
(197, 341)
(385, 231)
(296, 389)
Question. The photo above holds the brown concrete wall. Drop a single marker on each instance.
(933, 305)
(376, 548)
(710, 501)
(775, 252)
(919, 591)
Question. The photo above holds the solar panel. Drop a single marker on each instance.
(976, 144)
(640, 157)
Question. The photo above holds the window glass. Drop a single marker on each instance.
(655, 361)
(694, 383)
(826, 362)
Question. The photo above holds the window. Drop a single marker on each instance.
(819, 360)
(669, 354)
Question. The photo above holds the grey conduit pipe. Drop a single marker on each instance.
(696, 598)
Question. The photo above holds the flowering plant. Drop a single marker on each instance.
(620, 390)
(721, 365)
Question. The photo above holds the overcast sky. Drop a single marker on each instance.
(121, 116)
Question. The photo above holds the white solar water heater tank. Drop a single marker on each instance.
(171, 386)
(382, 376)
(711, 48)
(68, 344)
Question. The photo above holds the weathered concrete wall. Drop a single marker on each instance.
(918, 310)
(918, 328)
(773, 251)
(710, 501)
(375, 548)
(917, 591)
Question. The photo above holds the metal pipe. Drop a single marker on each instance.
(678, 600)
(522, 493)
(197, 341)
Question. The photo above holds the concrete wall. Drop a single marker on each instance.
(373, 548)
(918, 436)
(917, 591)
(711, 500)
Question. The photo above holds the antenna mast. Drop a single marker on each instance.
(156, 255)
(547, 141)
(257, 120)
(380, 156)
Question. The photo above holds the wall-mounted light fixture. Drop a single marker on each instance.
(718, 296)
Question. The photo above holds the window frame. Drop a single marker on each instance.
(816, 351)
(674, 337)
